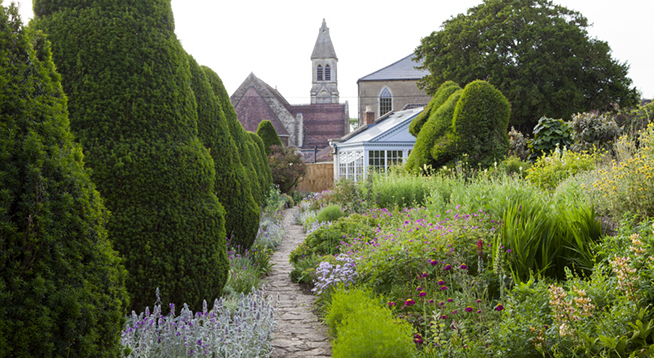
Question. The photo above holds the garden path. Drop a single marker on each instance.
(299, 333)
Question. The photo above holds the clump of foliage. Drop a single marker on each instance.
(133, 111)
(550, 170)
(516, 33)
(434, 143)
(518, 144)
(260, 161)
(480, 123)
(266, 131)
(442, 94)
(549, 134)
(593, 131)
(329, 213)
(514, 166)
(626, 185)
(633, 120)
(287, 167)
(220, 332)
(62, 287)
(363, 327)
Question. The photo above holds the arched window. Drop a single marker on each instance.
(328, 73)
(385, 101)
(319, 73)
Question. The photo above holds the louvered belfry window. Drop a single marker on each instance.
(328, 73)
(319, 73)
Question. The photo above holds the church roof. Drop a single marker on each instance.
(403, 69)
(324, 47)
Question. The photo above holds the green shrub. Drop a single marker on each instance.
(247, 178)
(287, 167)
(327, 239)
(549, 134)
(481, 121)
(330, 213)
(518, 145)
(591, 131)
(304, 270)
(242, 212)
(288, 200)
(132, 108)
(399, 189)
(627, 185)
(442, 94)
(364, 328)
(550, 170)
(514, 166)
(62, 287)
(268, 134)
(432, 146)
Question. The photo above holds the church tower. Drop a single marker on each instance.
(323, 63)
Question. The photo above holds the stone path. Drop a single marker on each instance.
(299, 333)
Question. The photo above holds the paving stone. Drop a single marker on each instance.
(299, 333)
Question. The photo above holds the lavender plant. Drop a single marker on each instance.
(240, 333)
(328, 275)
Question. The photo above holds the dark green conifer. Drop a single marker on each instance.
(133, 110)
(242, 213)
(263, 169)
(62, 290)
(238, 134)
(266, 131)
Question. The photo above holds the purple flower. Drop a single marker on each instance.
(455, 312)
(431, 301)
(464, 267)
(450, 300)
(441, 303)
(417, 338)
(391, 304)
(478, 301)
(478, 311)
(441, 282)
(468, 309)
(422, 294)
(443, 288)
(424, 274)
(419, 289)
(447, 267)
(409, 302)
(499, 307)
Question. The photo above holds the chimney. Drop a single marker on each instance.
(369, 116)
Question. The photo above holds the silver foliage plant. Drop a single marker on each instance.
(244, 332)
(271, 232)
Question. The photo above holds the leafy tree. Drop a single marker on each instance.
(536, 53)
(287, 167)
(133, 110)
(266, 131)
(242, 212)
(62, 290)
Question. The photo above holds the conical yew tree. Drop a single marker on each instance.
(242, 212)
(266, 131)
(133, 110)
(62, 290)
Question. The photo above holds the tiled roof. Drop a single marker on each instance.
(403, 69)
(321, 121)
(252, 109)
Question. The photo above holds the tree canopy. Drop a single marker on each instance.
(539, 55)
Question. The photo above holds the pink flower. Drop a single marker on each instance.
(422, 294)
(468, 309)
(499, 307)
(447, 267)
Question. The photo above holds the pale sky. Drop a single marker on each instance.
(274, 39)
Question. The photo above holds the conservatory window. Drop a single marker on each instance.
(359, 166)
(385, 101)
(394, 157)
(342, 165)
(328, 73)
(377, 160)
(319, 73)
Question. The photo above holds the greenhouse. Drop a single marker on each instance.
(377, 145)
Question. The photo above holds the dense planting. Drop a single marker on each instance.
(61, 284)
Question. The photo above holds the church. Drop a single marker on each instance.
(306, 127)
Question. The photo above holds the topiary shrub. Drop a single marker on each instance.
(242, 212)
(329, 213)
(480, 122)
(133, 110)
(62, 290)
(242, 232)
(268, 134)
(287, 167)
(264, 159)
(591, 131)
(240, 138)
(433, 146)
(442, 94)
(549, 134)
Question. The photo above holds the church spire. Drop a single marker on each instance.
(324, 87)
(323, 47)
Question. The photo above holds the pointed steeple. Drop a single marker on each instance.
(323, 47)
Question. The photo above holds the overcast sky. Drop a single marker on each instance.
(274, 39)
